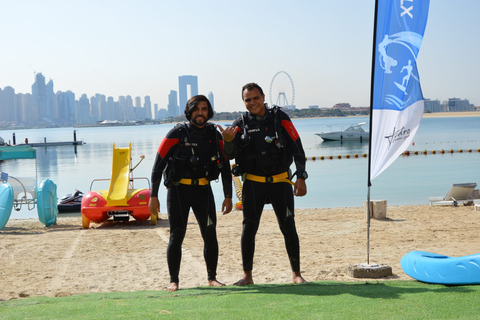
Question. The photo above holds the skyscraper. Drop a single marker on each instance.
(83, 110)
(39, 98)
(183, 83)
(148, 107)
(65, 107)
(172, 104)
(210, 98)
(129, 111)
(7, 104)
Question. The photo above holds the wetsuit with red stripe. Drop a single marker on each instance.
(261, 149)
(193, 148)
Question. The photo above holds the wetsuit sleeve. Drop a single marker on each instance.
(232, 148)
(166, 148)
(226, 171)
(295, 143)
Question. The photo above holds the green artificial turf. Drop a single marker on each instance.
(314, 300)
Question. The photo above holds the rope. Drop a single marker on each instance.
(238, 187)
(406, 153)
(238, 191)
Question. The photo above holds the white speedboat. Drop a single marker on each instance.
(354, 132)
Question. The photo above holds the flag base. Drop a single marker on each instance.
(372, 271)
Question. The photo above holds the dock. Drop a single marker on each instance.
(53, 144)
(74, 142)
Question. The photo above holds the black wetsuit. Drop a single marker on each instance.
(192, 165)
(259, 151)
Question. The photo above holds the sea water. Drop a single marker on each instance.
(410, 180)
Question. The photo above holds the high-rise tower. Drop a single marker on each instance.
(39, 97)
(173, 109)
(148, 107)
(183, 83)
(211, 99)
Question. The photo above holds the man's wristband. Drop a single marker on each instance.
(303, 175)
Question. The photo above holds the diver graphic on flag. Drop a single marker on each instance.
(397, 106)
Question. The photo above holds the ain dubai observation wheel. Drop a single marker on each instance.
(282, 90)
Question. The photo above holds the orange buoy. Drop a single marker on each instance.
(239, 205)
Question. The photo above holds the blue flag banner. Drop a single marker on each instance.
(397, 100)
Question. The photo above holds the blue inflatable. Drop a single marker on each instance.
(6, 203)
(439, 269)
(47, 202)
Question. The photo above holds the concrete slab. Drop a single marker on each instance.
(372, 271)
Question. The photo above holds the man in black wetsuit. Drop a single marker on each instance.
(264, 143)
(190, 156)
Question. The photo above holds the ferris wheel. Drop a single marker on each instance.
(281, 90)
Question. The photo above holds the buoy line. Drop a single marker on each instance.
(406, 153)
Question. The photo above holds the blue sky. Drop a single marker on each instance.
(140, 48)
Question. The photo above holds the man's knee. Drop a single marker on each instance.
(289, 226)
(177, 235)
(211, 233)
(250, 228)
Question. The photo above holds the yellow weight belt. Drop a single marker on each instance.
(281, 177)
(195, 182)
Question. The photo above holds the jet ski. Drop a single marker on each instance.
(70, 202)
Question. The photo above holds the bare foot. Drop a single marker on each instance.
(173, 286)
(297, 278)
(244, 281)
(215, 283)
(247, 279)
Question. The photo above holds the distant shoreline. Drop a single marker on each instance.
(458, 114)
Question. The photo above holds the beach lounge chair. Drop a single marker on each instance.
(476, 204)
(457, 192)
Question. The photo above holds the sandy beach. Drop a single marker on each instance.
(458, 114)
(66, 259)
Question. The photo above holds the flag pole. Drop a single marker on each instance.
(369, 183)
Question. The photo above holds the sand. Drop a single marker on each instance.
(65, 259)
(457, 114)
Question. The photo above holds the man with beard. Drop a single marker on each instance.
(190, 156)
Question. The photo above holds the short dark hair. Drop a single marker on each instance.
(250, 86)
(192, 104)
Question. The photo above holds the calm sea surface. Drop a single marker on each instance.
(332, 183)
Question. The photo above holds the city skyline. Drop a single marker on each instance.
(43, 105)
(140, 49)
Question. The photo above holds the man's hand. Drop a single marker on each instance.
(300, 188)
(154, 205)
(228, 133)
(227, 205)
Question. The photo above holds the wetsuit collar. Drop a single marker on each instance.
(196, 128)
